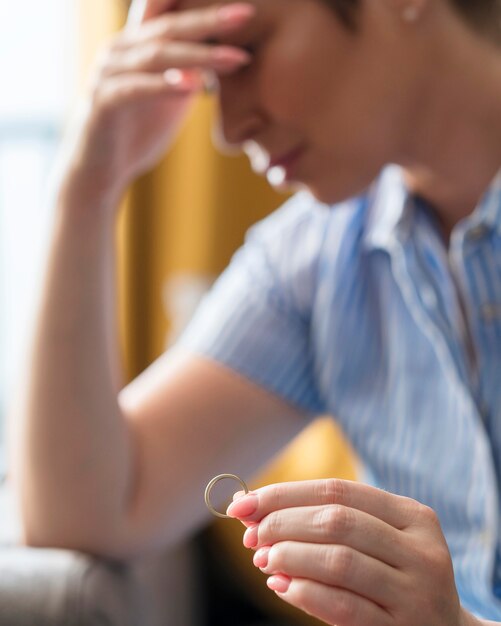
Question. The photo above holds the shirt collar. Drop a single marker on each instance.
(391, 208)
(488, 211)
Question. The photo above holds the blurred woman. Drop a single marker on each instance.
(374, 295)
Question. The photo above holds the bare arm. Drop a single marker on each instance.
(67, 418)
(121, 475)
(105, 472)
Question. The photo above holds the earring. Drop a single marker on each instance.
(410, 14)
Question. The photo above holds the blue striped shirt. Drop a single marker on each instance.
(361, 310)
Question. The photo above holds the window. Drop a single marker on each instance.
(37, 65)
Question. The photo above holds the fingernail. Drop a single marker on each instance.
(235, 13)
(251, 536)
(230, 55)
(261, 557)
(238, 494)
(243, 507)
(279, 583)
(176, 78)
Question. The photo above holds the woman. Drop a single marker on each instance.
(382, 309)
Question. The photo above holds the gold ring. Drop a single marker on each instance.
(209, 487)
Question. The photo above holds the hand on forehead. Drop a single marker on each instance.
(156, 7)
(144, 10)
(185, 5)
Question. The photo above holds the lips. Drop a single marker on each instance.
(264, 164)
(286, 159)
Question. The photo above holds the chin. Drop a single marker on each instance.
(340, 188)
(330, 196)
(331, 190)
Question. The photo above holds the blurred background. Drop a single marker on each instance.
(38, 70)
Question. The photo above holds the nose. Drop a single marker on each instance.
(240, 118)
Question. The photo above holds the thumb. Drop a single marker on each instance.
(142, 10)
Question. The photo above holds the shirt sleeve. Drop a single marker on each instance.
(257, 317)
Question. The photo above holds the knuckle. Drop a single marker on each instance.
(277, 557)
(427, 515)
(437, 560)
(167, 27)
(336, 520)
(270, 528)
(332, 490)
(280, 494)
(410, 508)
(346, 609)
(339, 561)
(423, 516)
(153, 56)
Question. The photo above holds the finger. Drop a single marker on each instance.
(398, 511)
(136, 13)
(157, 7)
(137, 87)
(194, 25)
(240, 494)
(332, 524)
(332, 605)
(336, 566)
(158, 58)
(141, 10)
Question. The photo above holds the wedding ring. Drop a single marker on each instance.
(210, 486)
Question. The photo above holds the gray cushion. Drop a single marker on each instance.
(44, 587)
(54, 587)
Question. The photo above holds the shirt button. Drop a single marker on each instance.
(477, 232)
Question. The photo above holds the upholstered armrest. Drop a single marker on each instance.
(61, 587)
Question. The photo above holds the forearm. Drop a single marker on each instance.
(71, 447)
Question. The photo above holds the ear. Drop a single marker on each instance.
(142, 10)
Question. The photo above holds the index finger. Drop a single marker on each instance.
(397, 511)
(142, 10)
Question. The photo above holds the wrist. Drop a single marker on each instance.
(86, 183)
(84, 211)
(80, 193)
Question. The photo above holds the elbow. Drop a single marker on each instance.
(84, 545)
(101, 545)
(109, 544)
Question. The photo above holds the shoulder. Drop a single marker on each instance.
(301, 220)
(285, 250)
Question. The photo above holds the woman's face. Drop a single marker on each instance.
(325, 106)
